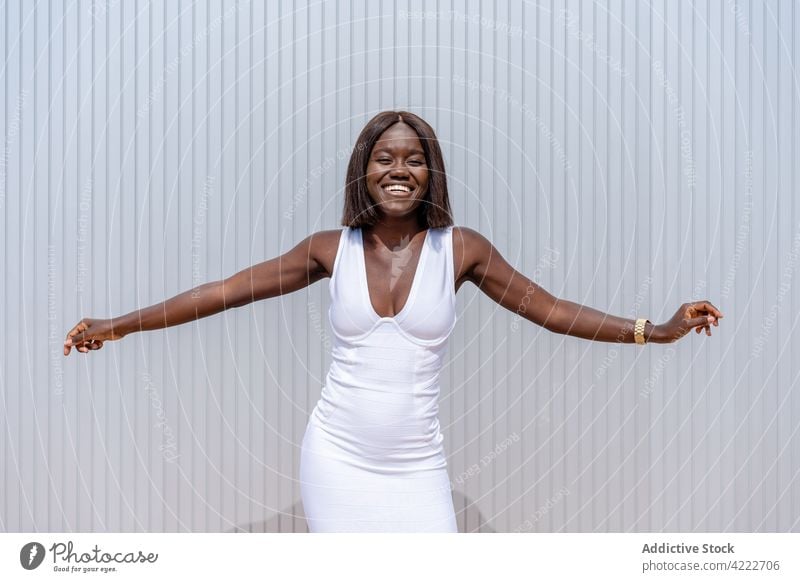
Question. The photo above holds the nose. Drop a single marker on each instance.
(398, 170)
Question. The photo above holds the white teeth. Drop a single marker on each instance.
(397, 188)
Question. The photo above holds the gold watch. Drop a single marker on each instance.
(638, 331)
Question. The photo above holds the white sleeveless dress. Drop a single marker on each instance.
(372, 458)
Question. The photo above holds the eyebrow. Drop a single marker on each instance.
(385, 149)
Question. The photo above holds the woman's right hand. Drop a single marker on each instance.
(89, 334)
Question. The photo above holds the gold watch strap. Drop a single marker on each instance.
(638, 331)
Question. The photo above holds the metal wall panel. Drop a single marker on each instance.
(626, 155)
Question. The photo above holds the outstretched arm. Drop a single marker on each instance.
(483, 265)
(289, 272)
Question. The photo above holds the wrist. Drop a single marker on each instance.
(653, 333)
(121, 326)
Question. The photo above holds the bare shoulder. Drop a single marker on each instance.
(322, 246)
(470, 249)
(469, 236)
(472, 243)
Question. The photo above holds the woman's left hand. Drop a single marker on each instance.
(697, 315)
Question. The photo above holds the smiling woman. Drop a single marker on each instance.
(392, 141)
(372, 456)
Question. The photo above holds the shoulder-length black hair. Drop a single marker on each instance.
(359, 209)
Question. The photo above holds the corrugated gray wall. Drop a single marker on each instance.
(626, 155)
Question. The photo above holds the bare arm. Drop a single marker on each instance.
(488, 270)
(301, 266)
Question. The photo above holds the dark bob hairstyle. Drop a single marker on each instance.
(359, 209)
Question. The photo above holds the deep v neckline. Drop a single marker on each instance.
(414, 282)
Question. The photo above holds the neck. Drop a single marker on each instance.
(391, 229)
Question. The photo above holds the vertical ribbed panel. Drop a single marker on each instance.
(626, 155)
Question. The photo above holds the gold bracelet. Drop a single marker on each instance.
(638, 331)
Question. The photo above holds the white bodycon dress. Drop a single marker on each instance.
(372, 458)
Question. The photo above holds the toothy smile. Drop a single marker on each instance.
(398, 188)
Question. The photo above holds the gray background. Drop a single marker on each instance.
(626, 155)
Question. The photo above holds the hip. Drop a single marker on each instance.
(375, 449)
